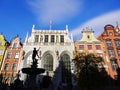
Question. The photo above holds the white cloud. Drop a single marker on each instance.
(98, 23)
(57, 10)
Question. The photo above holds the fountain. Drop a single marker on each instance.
(32, 72)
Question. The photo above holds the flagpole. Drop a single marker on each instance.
(50, 24)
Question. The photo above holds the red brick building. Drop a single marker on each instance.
(111, 44)
(11, 61)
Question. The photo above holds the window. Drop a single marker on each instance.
(17, 55)
(14, 67)
(15, 45)
(81, 47)
(114, 65)
(118, 51)
(108, 42)
(117, 42)
(48, 62)
(66, 68)
(36, 38)
(62, 38)
(1, 52)
(111, 52)
(46, 38)
(6, 67)
(0, 43)
(89, 47)
(98, 47)
(52, 38)
(9, 54)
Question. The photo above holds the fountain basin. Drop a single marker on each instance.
(33, 71)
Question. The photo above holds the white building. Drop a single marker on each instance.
(54, 46)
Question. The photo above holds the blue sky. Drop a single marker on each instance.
(18, 16)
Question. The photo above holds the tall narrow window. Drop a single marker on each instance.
(46, 38)
(36, 38)
(52, 38)
(48, 62)
(114, 65)
(108, 42)
(17, 55)
(9, 55)
(14, 67)
(117, 42)
(15, 45)
(62, 38)
(1, 52)
(118, 51)
(111, 52)
(66, 68)
(6, 67)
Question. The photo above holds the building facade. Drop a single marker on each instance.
(55, 52)
(3, 46)
(111, 44)
(90, 44)
(11, 61)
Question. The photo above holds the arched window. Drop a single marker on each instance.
(6, 67)
(66, 68)
(48, 62)
(14, 67)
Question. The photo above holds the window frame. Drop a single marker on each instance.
(117, 42)
(9, 55)
(16, 55)
(6, 66)
(111, 54)
(15, 45)
(46, 39)
(14, 66)
(52, 38)
(98, 47)
(108, 42)
(36, 38)
(61, 38)
(81, 47)
(114, 64)
(89, 47)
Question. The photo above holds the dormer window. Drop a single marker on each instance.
(15, 45)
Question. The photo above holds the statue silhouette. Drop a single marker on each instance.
(35, 52)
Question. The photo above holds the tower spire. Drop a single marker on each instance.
(67, 28)
(33, 28)
(117, 23)
(26, 39)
